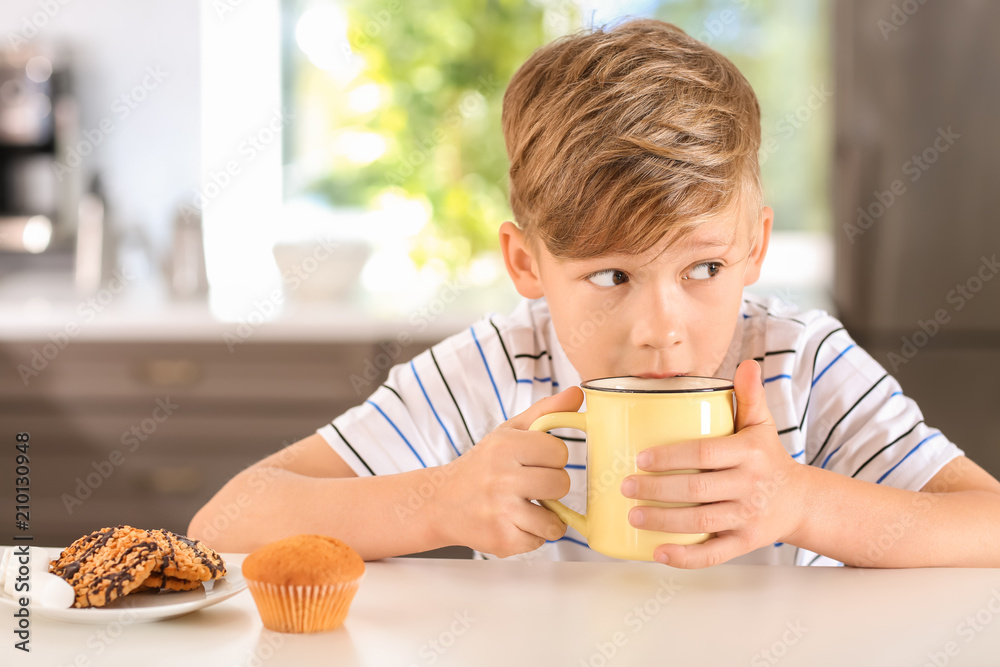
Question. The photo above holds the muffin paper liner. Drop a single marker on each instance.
(303, 608)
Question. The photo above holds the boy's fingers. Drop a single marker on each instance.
(715, 551)
(535, 448)
(541, 522)
(751, 400)
(542, 484)
(568, 400)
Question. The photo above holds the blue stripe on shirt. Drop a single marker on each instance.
(934, 435)
(526, 381)
(777, 377)
(431, 405)
(489, 372)
(831, 364)
(827, 459)
(568, 539)
(398, 431)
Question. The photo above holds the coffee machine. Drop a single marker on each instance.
(38, 122)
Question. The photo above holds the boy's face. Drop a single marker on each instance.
(669, 311)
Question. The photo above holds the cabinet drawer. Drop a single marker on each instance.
(194, 370)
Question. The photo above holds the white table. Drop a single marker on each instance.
(449, 612)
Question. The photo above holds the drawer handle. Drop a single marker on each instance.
(170, 372)
(174, 480)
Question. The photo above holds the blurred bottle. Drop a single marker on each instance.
(94, 240)
(186, 269)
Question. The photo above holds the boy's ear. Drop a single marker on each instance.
(520, 261)
(759, 250)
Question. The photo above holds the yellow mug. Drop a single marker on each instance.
(624, 416)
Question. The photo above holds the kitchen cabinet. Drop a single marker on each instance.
(144, 432)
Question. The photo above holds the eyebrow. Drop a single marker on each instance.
(711, 242)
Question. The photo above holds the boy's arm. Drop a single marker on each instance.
(480, 500)
(953, 521)
(308, 488)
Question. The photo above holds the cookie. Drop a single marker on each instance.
(157, 581)
(107, 564)
(184, 558)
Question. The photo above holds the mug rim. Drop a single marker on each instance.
(722, 385)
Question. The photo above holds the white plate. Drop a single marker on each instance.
(146, 607)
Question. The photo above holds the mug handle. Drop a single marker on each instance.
(577, 420)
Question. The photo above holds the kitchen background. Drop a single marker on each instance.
(221, 222)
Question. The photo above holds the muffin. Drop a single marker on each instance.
(303, 583)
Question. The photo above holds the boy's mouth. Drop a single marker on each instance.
(658, 376)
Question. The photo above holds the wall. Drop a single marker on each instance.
(149, 161)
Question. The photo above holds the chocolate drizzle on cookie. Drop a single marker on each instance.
(112, 562)
(199, 548)
(116, 581)
(107, 564)
(97, 540)
(185, 558)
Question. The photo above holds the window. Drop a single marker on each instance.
(396, 139)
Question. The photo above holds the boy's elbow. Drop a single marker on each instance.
(201, 528)
(197, 528)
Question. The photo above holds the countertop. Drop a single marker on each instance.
(412, 611)
(45, 307)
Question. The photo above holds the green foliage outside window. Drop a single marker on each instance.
(441, 70)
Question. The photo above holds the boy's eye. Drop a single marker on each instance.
(608, 278)
(705, 271)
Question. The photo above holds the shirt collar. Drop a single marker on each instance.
(563, 371)
(727, 369)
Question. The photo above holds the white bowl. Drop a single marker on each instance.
(320, 271)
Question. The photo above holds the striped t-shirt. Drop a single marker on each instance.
(834, 406)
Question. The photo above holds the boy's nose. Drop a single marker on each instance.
(658, 324)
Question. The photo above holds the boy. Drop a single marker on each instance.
(635, 185)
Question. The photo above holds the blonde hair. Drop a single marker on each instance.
(618, 137)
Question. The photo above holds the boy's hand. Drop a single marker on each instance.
(751, 487)
(486, 499)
